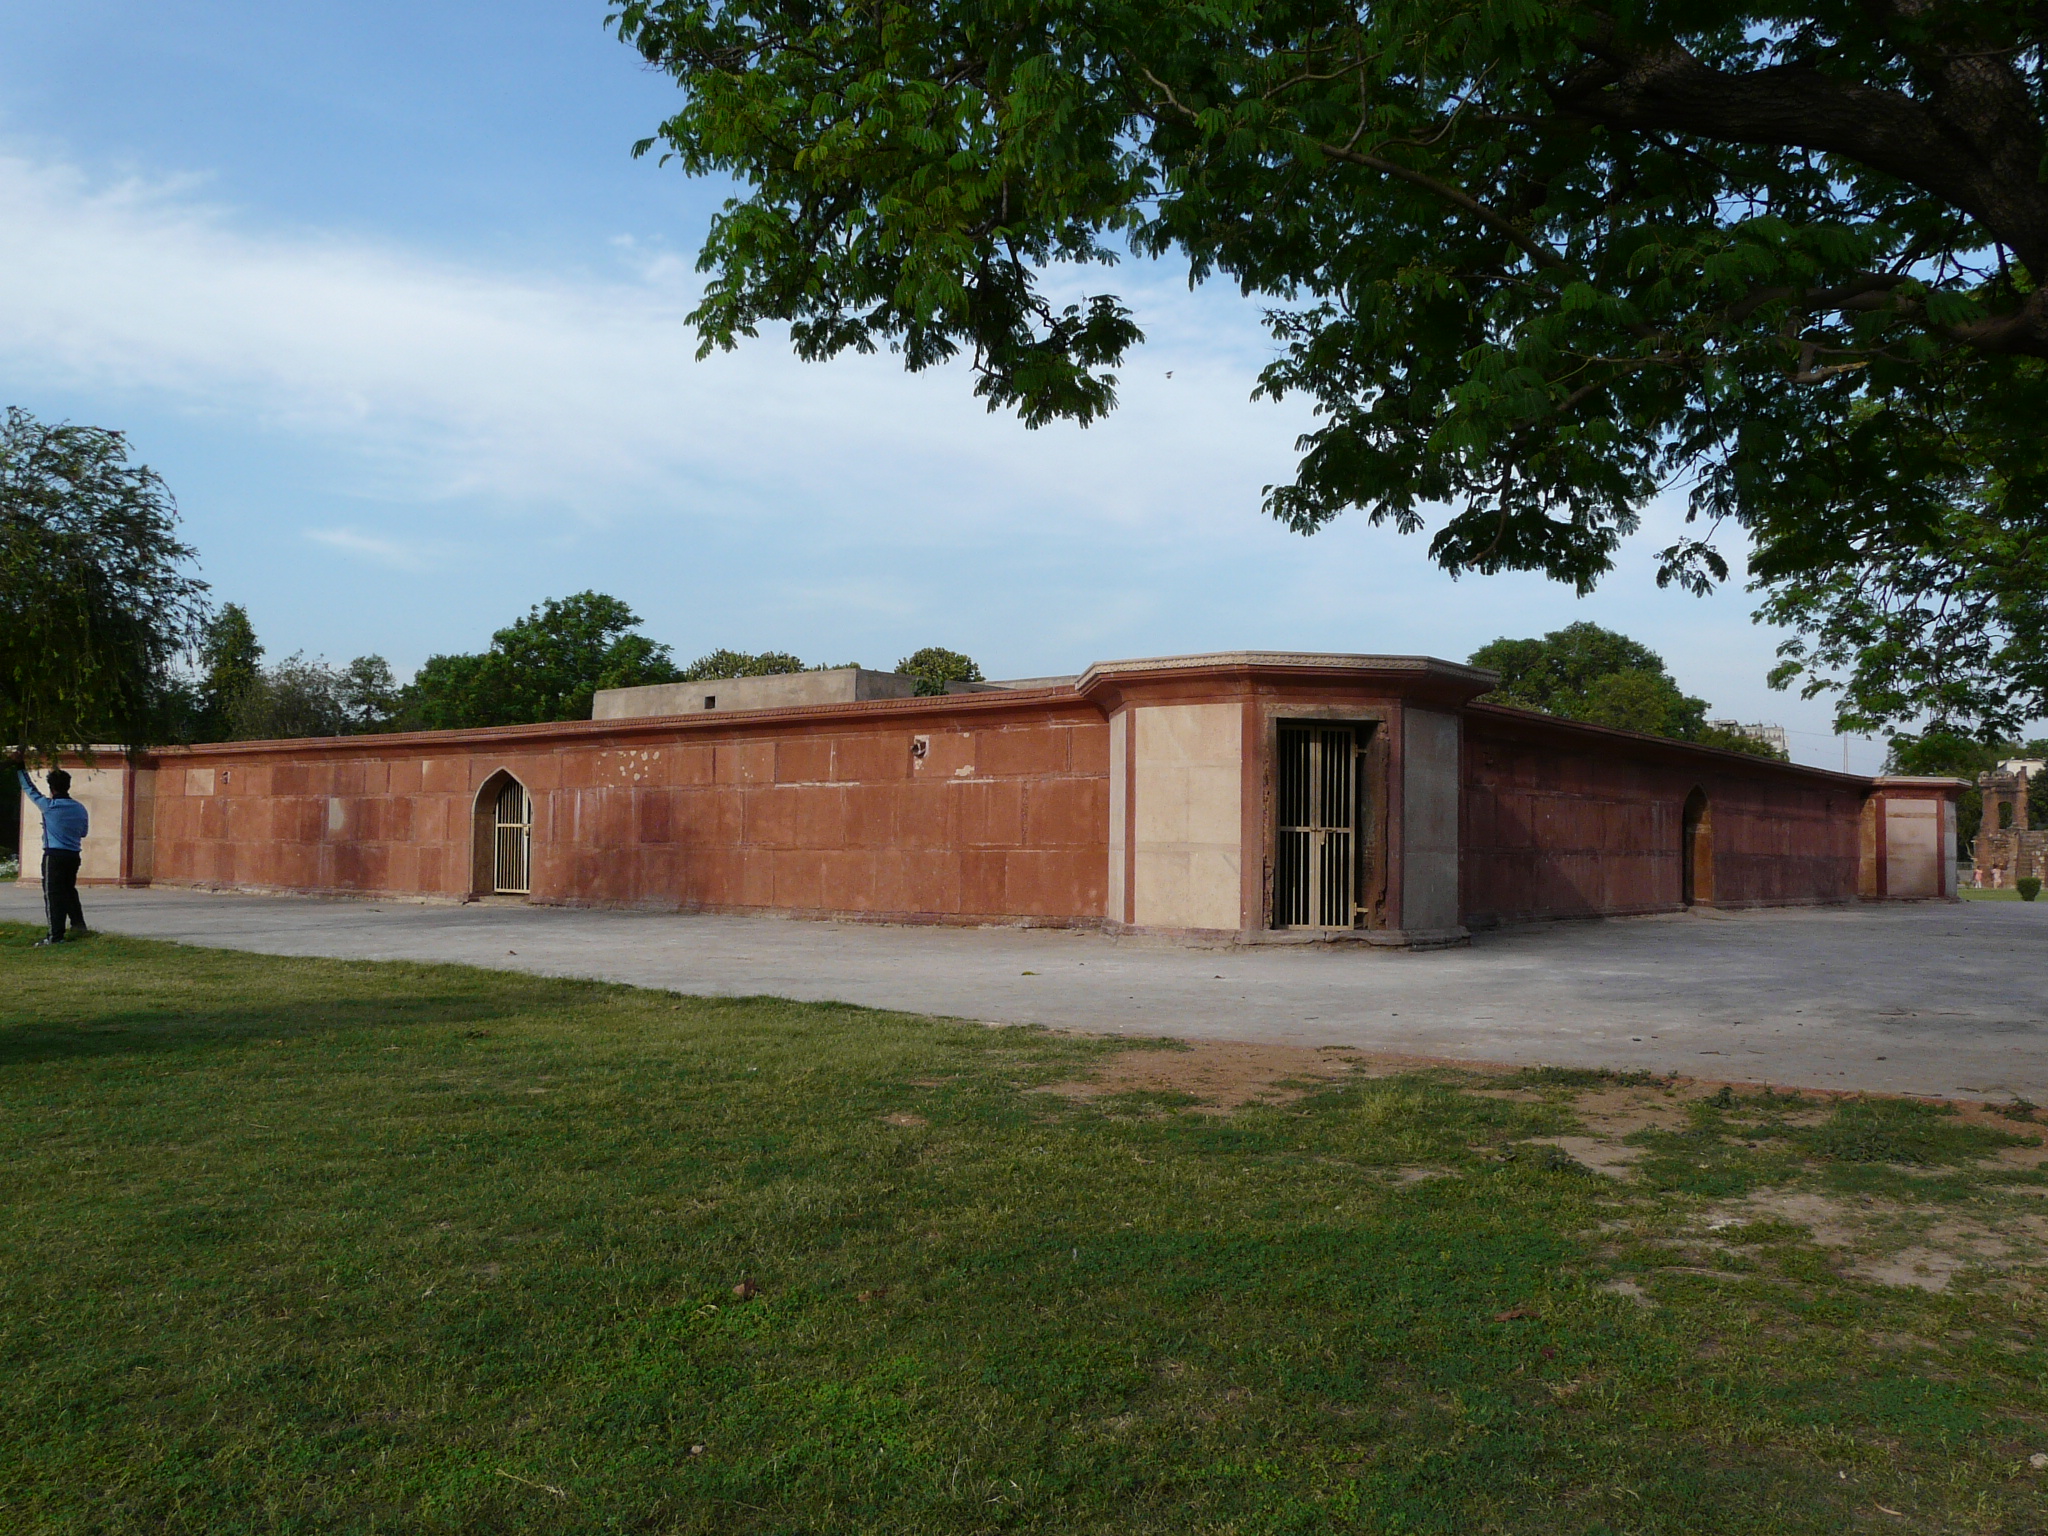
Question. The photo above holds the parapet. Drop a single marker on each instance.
(783, 690)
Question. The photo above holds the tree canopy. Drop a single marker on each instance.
(545, 666)
(232, 696)
(1531, 264)
(1923, 597)
(309, 697)
(97, 599)
(549, 664)
(715, 665)
(1584, 672)
(229, 665)
(934, 666)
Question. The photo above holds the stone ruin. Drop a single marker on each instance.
(2007, 849)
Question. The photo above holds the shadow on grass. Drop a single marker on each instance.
(113, 995)
(129, 1030)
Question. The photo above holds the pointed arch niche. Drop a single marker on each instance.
(502, 863)
(1696, 850)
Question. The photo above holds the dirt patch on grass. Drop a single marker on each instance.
(1618, 1112)
(1594, 1152)
(1421, 1175)
(1894, 1244)
(1607, 1115)
(1829, 1222)
(1222, 1076)
(1629, 1290)
(1218, 1077)
(1622, 1107)
(2018, 1157)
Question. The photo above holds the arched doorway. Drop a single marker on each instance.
(1696, 849)
(504, 838)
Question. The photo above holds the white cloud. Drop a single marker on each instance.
(460, 383)
(398, 554)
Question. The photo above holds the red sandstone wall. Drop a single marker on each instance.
(1571, 821)
(1004, 817)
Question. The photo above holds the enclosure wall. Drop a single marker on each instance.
(918, 810)
(1566, 820)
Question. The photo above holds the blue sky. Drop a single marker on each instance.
(381, 293)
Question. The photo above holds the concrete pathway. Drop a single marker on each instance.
(1937, 999)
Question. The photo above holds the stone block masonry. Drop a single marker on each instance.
(831, 811)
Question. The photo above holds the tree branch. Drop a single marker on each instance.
(1543, 255)
(1975, 142)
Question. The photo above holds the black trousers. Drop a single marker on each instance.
(60, 891)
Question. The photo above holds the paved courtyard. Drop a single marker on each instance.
(1936, 999)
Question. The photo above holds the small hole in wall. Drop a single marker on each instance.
(711, 701)
(920, 745)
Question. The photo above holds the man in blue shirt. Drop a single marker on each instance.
(64, 829)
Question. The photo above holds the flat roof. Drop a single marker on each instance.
(1307, 661)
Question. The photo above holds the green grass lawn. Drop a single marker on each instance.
(296, 1245)
(2007, 894)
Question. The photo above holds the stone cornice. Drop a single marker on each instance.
(1308, 662)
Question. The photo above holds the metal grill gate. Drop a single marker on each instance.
(1316, 876)
(512, 846)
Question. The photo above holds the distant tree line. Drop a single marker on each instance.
(933, 667)
(231, 696)
(545, 666)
